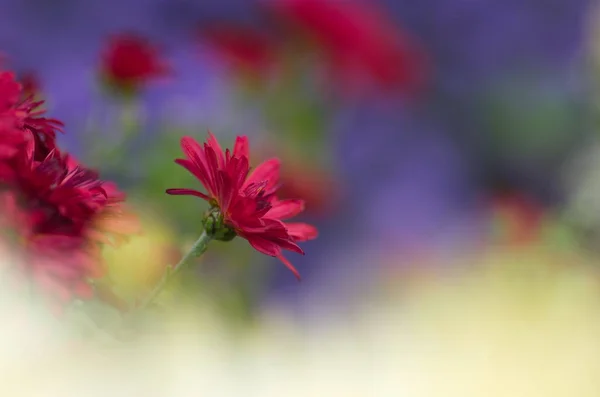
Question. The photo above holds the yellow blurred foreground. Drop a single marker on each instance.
(511, 324)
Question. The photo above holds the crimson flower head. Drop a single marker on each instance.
(21, 120)
(245, 201)
(59, 194)
(129, 62)
(361, 46)
(62, 211)
(55, 211)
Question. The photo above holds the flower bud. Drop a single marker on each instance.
(214, 226)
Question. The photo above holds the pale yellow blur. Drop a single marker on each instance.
(135, 266)
(518, 322)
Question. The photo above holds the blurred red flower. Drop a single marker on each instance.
(519, 217)
(318, 189)
(58, 204)
(248, 52)
(60, 196)
(361, 46)
(247, 200)
(129, 62)
(21, 121)
(314, 182)
(50, 204)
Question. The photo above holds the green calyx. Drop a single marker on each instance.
(215, 227)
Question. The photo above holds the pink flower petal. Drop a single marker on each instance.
(241, 148)
(264, 246)
(197, 156)
(302, 231)
(289, 265)
(212, 142)
(267, 171)
(285, 209)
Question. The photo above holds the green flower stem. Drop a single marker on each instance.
(128, 127)
(131, 113)
(108, 151)
(199, 247)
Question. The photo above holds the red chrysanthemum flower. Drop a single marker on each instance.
(54, 212)
(247, 51)
(129, 62)
(58, 195)
(362, 47)
(63, 212)
(246, 200)
(21, 121)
